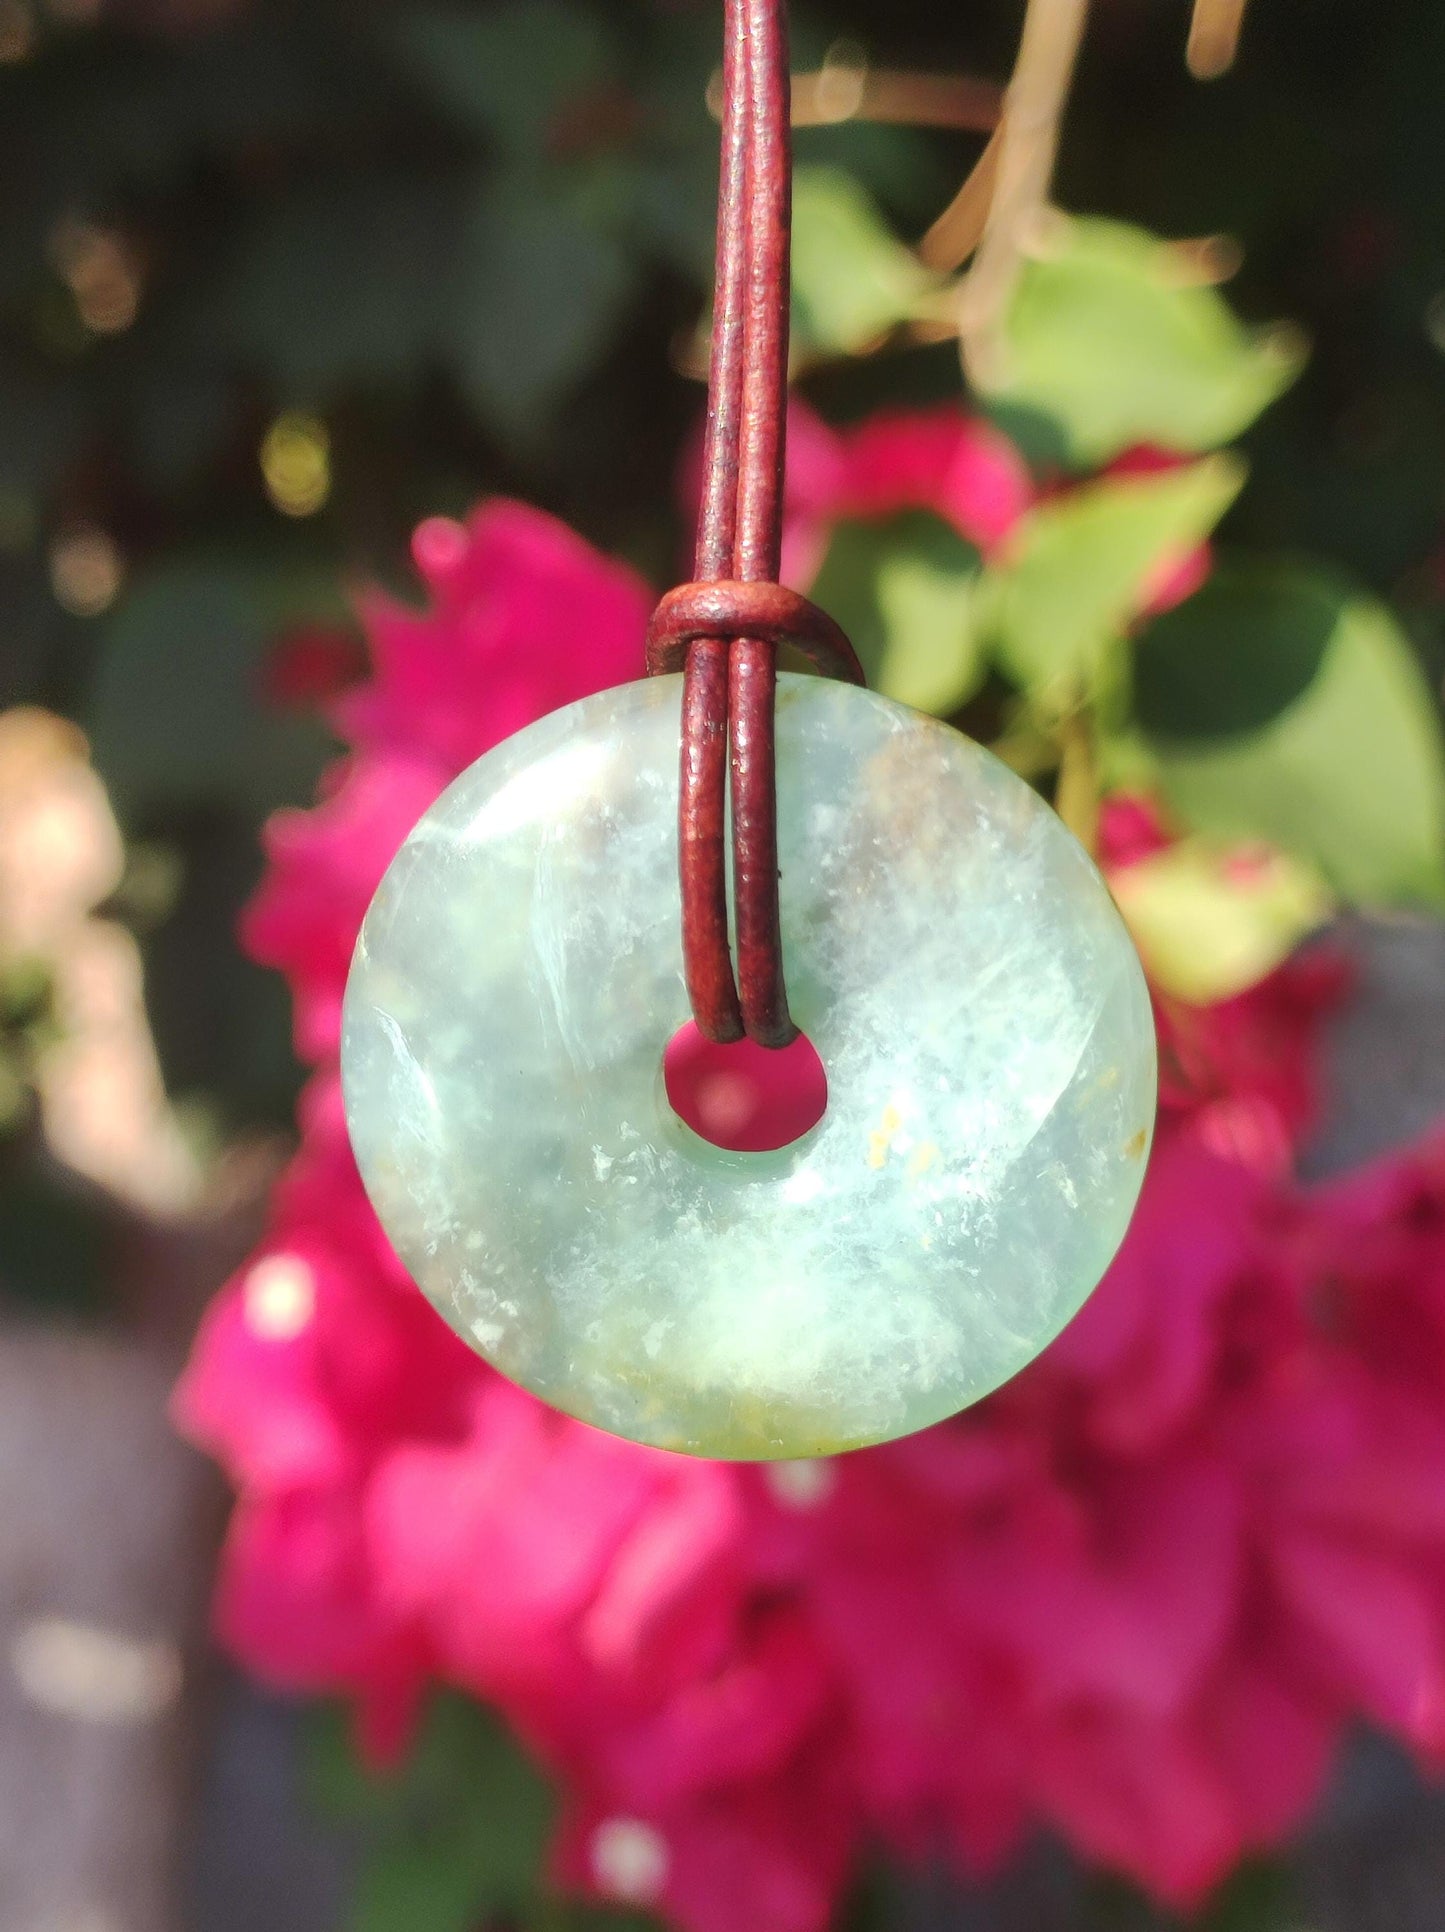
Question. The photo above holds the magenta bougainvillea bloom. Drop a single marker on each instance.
(939, 459)
(1138, 1595)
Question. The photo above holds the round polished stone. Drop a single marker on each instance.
(955, 959)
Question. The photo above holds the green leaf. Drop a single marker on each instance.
(338, 1782)
(1262, 1896)
(853, 280)
(597, 1918)
(543, 282)
(507, 71)
(338, 282)
(1080, 566)
(54, 1236)
(906, 592)
(41, 426)
(179, 418)
(1110, 341)
(459, 1829)
(415, 1885)
(1248, 643)
(504, 1806)
(1350, 776)
(174, 711)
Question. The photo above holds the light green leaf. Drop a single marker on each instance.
(542, 283)
(507, 70)
(1111, 342)
(1210, 922)
(905, 590)
(1350, 776)
(853, 280)
(1081, 565)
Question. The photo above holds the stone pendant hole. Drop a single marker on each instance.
(746, 1098)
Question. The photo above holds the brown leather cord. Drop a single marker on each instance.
(702, 790)
(726, 627)
(768, 611)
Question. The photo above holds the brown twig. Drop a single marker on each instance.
(1033, 111)
(1214, 37)
(846, 88)
(1076, 790)
(839, 93)
(959, 229)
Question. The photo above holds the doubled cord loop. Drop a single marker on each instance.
(723, 631)
(770, 612)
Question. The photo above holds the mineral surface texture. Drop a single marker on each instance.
(955, 959)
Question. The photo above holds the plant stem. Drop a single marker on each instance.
(1033, 112)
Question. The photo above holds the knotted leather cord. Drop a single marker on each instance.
(727, 625)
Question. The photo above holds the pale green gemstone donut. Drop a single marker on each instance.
(959, 966)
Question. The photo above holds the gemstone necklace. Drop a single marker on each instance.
(951, 952)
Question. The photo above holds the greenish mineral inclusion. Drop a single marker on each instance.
(959, 966)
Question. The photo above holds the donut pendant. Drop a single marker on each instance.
(960, 968)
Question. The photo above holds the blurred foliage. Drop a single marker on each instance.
(906, 590)
(1261, 1897)
(1277, 702)
(853, 280)
(456, 1836)
(453, 1839)
(1112, 344)
(1081, 566)
(1348, 774)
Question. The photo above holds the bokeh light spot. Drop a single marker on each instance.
(85, 571)
(279, 1297)
(629, 1860)
(296, 464)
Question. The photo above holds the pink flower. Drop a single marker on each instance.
(770, 1853)
(935, 459)
(1139, 1594)
(524, 617)
(310, 664)
(296, 1603)
(324, 866)
(940, 459)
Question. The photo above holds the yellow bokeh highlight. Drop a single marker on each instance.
(296, 464)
